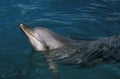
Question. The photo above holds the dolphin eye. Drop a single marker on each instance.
(47, 47)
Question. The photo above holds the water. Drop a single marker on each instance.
(77, 19)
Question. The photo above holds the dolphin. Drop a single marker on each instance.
(83, 53)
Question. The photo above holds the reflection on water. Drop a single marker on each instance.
(78, 19)
(37, 67)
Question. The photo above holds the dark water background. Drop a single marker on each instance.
(78, 19)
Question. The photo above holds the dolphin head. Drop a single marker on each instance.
(41, 38)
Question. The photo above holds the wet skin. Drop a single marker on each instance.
(84, 53)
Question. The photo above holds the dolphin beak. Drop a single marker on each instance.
(25, 28)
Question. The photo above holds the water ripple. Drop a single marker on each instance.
(4, 13)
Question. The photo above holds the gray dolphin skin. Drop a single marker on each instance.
(83, 53)
(69, 51)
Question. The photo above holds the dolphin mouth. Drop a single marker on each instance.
(27, 31)
(25, 28)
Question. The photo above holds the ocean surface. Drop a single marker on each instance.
(77, 19)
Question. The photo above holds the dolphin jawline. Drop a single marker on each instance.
(25, 29)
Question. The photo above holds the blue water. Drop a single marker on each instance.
(77, 19)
